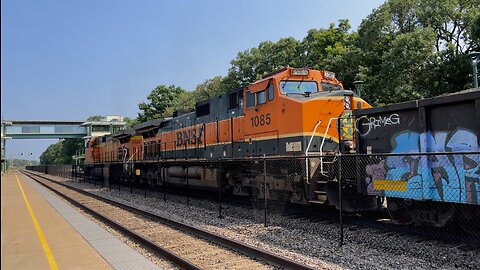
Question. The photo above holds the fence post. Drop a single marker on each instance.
(145, 192)
(219, 183)
(131, 185)
(164, 184)
(340, 196)
(265, 190)
(188, 186)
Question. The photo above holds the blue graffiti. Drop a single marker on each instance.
(451, 178)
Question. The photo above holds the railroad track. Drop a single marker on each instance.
(353, 222)
(187, 247)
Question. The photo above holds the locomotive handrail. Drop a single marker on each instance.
(306, 151)
(323, 142)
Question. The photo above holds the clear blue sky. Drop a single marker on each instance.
(68, 60)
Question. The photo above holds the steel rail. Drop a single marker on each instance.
(177, 260)
(264, 255)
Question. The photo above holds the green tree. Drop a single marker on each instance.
(50, 155)
(61, 152)
(452, 21)
(332, 49)
(413, 49)
(94, 118)
(252, 64)
(161, 98)
(131, 121)
(185, 103)
(209, 88)
(475, 33)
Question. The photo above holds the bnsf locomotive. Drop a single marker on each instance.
(298, 119)
(289, 113)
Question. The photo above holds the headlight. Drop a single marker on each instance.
(329, 75)
(299, 72)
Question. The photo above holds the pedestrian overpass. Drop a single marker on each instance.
(54, 129)
(43, 129)
(57, 129)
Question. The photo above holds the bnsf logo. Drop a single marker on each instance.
(191, 136)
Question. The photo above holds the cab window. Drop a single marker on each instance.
(298, 87)
(270, 92)
(261, 98)
(330, 87)
(250, 99)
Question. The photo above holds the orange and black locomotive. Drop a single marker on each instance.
(293, 112)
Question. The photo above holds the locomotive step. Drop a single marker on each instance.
(317, 202)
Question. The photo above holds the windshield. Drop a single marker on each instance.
(298, 87)
(330, 87)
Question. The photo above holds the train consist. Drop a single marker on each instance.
(298, 115)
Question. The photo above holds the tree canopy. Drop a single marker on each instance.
(61, 152)
(94, 118)
(403, 50)
(159, 100)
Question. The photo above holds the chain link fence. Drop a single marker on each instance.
(429, 195)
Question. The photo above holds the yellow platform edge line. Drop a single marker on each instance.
(41, 236)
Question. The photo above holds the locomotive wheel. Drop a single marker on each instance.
(398, 211)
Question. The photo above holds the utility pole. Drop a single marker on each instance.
(475, 58)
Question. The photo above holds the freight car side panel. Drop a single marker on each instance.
(446, 124)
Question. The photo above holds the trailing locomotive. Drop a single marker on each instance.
(289, 113)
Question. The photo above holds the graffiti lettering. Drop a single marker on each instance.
(190, 137)
(453, 178)
(374, 122)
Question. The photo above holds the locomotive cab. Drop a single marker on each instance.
(295, 111)
(301, 112)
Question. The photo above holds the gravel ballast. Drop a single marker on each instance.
(314, 243)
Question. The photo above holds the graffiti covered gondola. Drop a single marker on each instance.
(428, 188)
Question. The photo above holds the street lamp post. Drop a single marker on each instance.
(359, 87)
(475, 58)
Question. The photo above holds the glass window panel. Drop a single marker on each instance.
(270, 92)
(31, 129)
(261, 98)
(250, 99)
(47, 129)
(298, 87)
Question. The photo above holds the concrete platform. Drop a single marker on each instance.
(41, 231)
